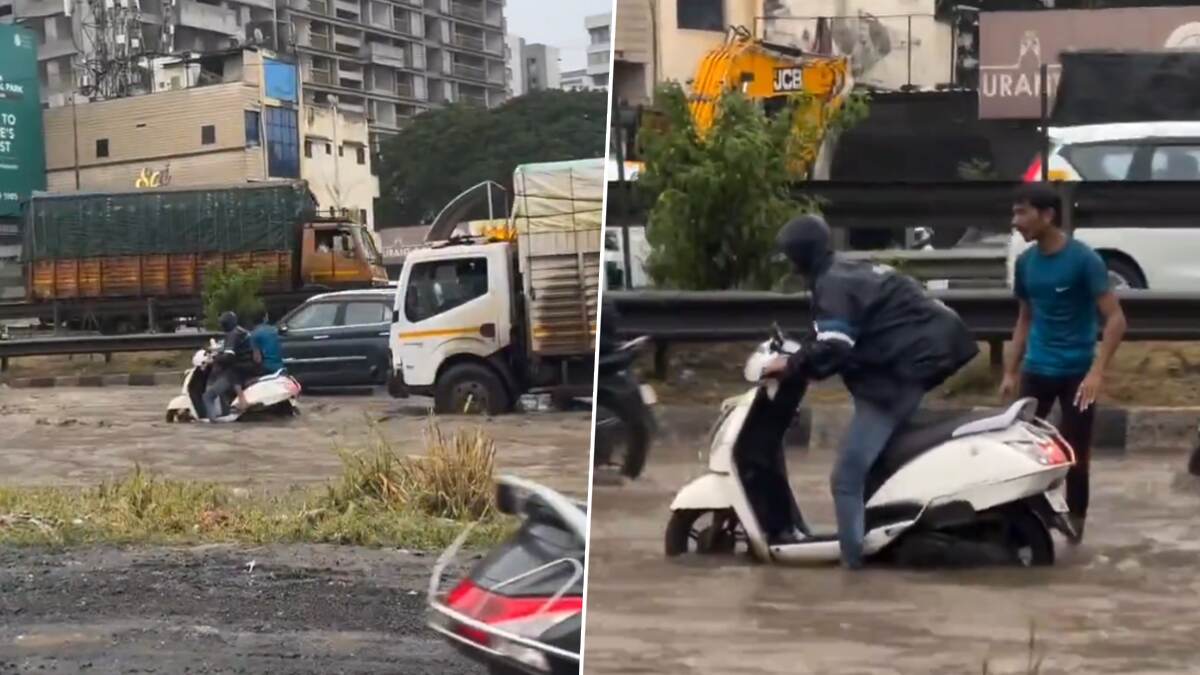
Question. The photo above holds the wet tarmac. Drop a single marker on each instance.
(69, 436)
(1126, 601)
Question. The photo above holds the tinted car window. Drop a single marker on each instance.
(316, 315)
(1101, 161)
(363, 313)
(1175, 162)
(438, 286)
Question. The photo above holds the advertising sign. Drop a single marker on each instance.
(1014, 45)
(22, 157)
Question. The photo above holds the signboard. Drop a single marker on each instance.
(1014, 45)
(22, 156)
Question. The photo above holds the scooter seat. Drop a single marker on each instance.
(913, 440)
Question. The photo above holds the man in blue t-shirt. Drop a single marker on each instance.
(265, 341)
(1060, 283)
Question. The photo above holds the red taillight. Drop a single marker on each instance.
(1034, 173)
(495, 610)
(1053, 452)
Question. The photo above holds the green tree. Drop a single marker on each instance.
(718, 200)
(235, 289)
(445, 151)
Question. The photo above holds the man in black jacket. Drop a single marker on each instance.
(233, 366)
(890, 342)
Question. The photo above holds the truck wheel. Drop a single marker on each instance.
(470, 388)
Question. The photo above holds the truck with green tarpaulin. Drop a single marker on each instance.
(129, 261)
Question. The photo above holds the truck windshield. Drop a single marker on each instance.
(373, 254)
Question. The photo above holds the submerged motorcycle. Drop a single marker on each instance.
(624, 422)
(983, 489)
(275, 393)
(520, 609)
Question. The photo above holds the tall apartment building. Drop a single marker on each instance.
(384, 59)
(391, 60)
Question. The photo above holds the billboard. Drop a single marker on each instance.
(1014, 45)
(22, 157)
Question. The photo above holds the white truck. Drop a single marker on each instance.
(479, 321)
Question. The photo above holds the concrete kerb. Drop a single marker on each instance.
(119, 380)
(1118, 431)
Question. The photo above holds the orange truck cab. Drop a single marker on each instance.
(338, 253)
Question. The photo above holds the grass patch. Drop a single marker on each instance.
(380, 499)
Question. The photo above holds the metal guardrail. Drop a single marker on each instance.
(965, 264)
(731, 316)
(101, 344)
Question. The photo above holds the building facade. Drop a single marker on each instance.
(389, 61)
(249, 125)
(514, 53)
(665, 40)
(541, 67)
(599, 51)
(100, 49)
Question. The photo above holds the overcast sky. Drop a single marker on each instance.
(558, 23)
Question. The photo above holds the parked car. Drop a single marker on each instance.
(1158, 259)
(339, 339)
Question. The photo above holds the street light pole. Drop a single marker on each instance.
(75, 139)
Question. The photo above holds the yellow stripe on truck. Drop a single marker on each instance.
(441, 332)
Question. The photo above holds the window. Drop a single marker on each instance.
(701, 14)
(316, 315)
(597, 58)
(361, 154)
(340, 241)
(252, 124)
(367, 313)
(308, 148)
(362, 218)
(101, 147)
(341, 150)
(1175, 162)
(328, 149)
(600, 35)
(1102, 161)
(438, 286)
(283, 143)
(208, 134)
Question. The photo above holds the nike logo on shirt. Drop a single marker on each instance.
(1063, 289)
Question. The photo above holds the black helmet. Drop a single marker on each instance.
(228, 321)
(805, 242)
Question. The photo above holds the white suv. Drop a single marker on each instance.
(1159, 259)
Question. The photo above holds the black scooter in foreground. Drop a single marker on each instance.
(624, 422)
(520, 609)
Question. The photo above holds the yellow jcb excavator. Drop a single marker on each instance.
(771, 74)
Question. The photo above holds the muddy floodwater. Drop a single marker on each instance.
(1126, 601)
(65, 436)
(284, 610)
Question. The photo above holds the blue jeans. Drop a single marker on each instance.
(220, 386)
(870, 428)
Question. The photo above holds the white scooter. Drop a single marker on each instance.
(986, 489)
(273, 393)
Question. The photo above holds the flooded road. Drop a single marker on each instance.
(70, 436)
(1126, 601)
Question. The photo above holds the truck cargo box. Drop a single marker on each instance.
(558, 212)
(160, 242)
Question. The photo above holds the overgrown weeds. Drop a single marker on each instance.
(380, 499)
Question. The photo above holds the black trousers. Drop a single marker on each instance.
(1076, 428)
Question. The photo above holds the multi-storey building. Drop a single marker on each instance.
(391, 60)
(599, 51)
(99, 48)
(224, 118)
(386, 60)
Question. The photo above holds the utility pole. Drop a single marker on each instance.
(75, 138)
